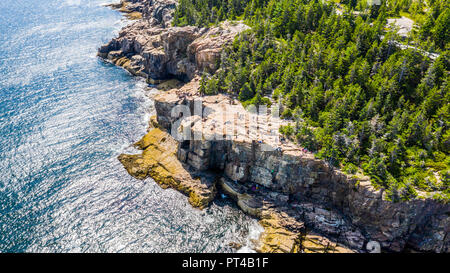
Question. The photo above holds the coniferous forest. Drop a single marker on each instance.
(359, 95)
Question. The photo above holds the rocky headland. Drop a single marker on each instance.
(151, 48)
(304, 204)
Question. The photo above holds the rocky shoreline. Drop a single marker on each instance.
(303, 204)
(150, 48)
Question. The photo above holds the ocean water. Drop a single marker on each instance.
(65, 116)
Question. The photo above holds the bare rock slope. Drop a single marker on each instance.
(152, 49)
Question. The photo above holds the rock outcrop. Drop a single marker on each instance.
(347, 209)
(150, 48)
(304, 204)
(158, 12)
(159, 161)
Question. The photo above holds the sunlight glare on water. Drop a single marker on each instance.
(65, 116)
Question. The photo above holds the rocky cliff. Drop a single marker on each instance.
(152, 49)
(347, 209)
(304, 204)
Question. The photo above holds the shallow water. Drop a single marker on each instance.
(65, 116)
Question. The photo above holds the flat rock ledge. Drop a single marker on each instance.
(159, 161)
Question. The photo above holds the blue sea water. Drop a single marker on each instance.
(65, 116)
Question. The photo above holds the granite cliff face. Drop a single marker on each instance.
(347, 209)
(157, 12)
(304, 204)
(152, 49)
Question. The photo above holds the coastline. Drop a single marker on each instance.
(323, 211)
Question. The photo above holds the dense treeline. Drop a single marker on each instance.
(354, 96)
